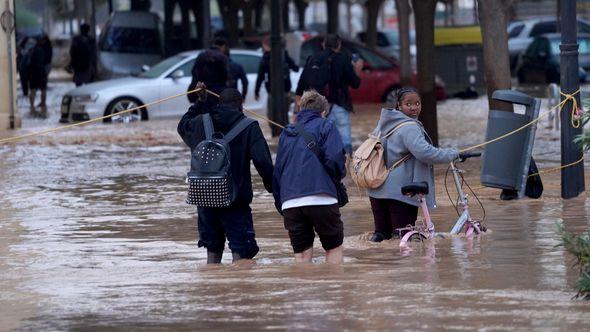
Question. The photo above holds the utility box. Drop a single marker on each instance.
(506, 161)
(459, 58)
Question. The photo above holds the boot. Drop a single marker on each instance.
(214, 257)
(378, 237)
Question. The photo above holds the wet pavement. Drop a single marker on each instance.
(95, 234)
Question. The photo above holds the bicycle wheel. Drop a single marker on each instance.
(417, 237)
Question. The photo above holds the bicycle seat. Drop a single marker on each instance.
(415, 188)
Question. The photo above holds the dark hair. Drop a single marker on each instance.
(231, 97)
(332, 41)
(220, 41)
(403, 91)
(211, 68)
(84, 28)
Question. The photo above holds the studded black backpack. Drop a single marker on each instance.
(210, 182)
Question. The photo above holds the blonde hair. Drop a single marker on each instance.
(314, 101)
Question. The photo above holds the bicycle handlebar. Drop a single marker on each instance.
(467, 155)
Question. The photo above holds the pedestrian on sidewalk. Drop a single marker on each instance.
(210, 68)
(304, 183)
(264, 76)
(38, 71)
(235, 221)
(391, 209)
(83, 56)
(23, 60)
(332, 73)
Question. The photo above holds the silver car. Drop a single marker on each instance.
(170, 77)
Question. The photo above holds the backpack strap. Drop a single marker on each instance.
(208, 124)
(405, 123)
(309, 140)
(237, 129)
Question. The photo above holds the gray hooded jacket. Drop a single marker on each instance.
(408, 139)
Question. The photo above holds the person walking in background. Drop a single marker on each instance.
(391, 209)
(23, 60)
(235, 221)
(235, 71)
(304, 183)
(40, 57)
(331, 73)
(83, 56)
(264, 76)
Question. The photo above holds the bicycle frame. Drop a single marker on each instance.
(425, 230)
(465, 217)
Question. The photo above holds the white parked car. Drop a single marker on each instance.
(170, 77)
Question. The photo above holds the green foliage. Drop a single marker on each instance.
(584, 139)
(579, 247)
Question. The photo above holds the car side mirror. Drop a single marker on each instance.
(145, 68)
(177, 74)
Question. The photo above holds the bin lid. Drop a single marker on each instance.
(446, 36)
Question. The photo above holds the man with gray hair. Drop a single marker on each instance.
(304, 180)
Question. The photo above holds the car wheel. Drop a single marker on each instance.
(122, 104)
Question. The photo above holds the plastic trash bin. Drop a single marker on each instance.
(506, 162)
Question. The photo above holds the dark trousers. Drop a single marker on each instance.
(390, 214)
(235, 223)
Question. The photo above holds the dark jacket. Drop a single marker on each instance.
(82, 53)
(235, 73)
(298, 171)
(342, 76)
(248, 145)
(264, 72)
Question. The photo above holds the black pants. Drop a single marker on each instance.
(324, 219)
(235, 223)
(390, 214)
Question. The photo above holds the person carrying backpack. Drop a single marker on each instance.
(233, 221)
(391, 209)
(305, 181)
(331, 73)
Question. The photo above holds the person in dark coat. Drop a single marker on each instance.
(83, 56)
(40, 60)
(235, 71)
(264, 77)
(23, 60)
(234, 222)
(304, 184)
(343, 75)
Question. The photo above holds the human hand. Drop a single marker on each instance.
(202, 92)
(358, 65)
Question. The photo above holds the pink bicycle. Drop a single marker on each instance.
(425, 229)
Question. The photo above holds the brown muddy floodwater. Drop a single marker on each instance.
(95, 234)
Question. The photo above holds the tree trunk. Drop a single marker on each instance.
(285, 13)
(493, 16)
(373, 7)
(248, 18)
(258, 13)
(424, 14)
(404, 11)
(333, 12)
(301, 6)
(229, 13)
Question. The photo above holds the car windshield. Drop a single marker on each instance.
(162, 66)
(584, 44)
(130, 40)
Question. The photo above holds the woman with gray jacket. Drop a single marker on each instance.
(391, 209)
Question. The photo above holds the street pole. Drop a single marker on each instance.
(7, 21)
(572, 178)
(278, 111)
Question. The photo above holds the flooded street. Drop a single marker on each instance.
(95, 234)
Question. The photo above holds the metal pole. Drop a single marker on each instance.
(572, 178)
(8, 25)
(278, 111)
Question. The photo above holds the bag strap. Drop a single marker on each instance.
(406, 157)
(237, 129)
(208, 124)
(309, 141)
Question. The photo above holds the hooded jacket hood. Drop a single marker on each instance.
(304, 116)
(224, 117)
(390, 118)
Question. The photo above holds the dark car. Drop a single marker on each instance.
(380, 76)
(540, 61)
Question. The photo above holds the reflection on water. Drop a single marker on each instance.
(97, 235)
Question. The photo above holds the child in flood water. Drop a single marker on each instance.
(391, 209)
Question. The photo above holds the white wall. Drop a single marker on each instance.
(5, 61)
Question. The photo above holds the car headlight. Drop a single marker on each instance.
(86, 98)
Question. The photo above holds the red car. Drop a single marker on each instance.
(380, 76)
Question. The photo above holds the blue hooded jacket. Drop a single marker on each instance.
(298, 171)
